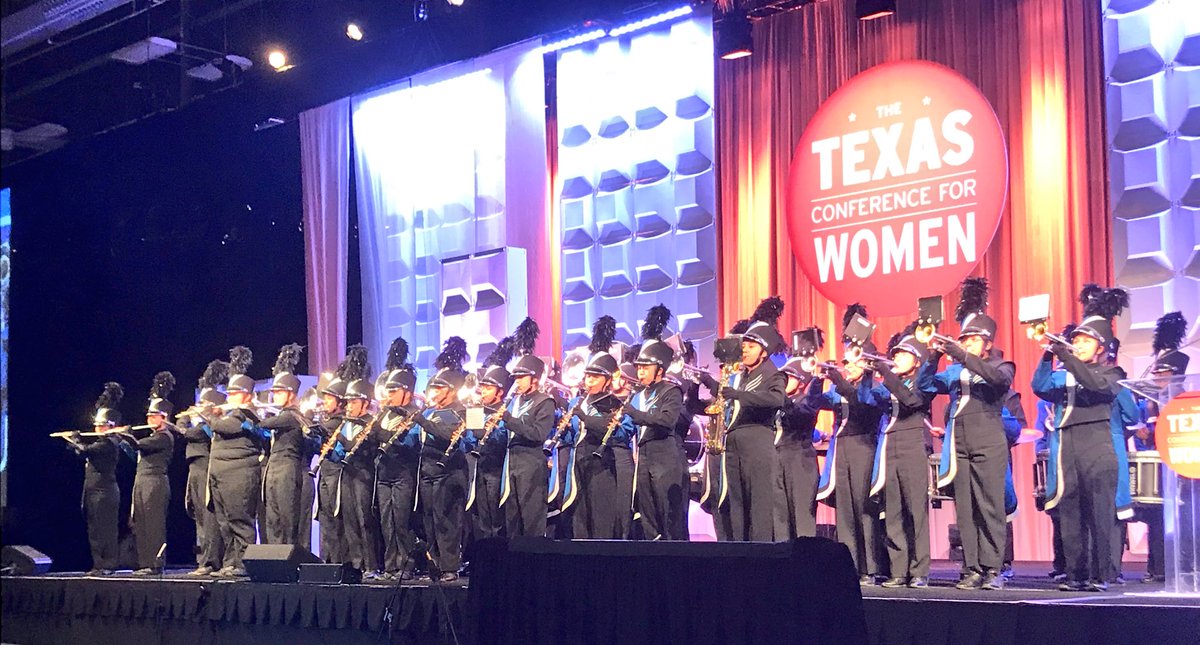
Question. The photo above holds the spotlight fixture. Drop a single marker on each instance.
(421, 10)
(872, 9)
(455, 3)
(735, 39)
(277, 60)
(353, 31)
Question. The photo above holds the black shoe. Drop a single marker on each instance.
(1007, 572)
(1058, 575)
(1151, 578)
(918, 582)
(1096, 585)
(448, 577)
(867, 581)
(147, 571)
(971, 580)
(405, 576)
(894, 583)
(1119, 580)
(993, 581)
(1073, 585)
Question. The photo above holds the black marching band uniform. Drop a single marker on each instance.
(399, 457)
(198, 436)
(287, 459)
(151, 487)
(329, 466)
(356, 490)
(101, 499)
(490, 451)
(796, 497)
(529, 421)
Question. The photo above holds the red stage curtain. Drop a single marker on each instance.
(1039, 62)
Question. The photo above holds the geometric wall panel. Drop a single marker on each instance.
(1152, 60)
(636, 192)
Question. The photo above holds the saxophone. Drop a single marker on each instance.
(715, 443)
(613, 422)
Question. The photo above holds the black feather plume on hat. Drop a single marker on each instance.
(604, 331)
(214, 374)
(900, 335)
(740, 327)
(503, 352)
(355, 365)
(1089, 294)
(240, 358)
(454, 354)
(397, 356)
(631, 353)
(1169, 332)
(111, 396)
(973, 299)
(656, 321)
(1108, 304)
(162, 385)
(288, 359)
(769, 310)
(851, 311)
(524, 338)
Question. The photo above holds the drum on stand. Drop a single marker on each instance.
(1145, 478)
(1041, 469)
(937, 495)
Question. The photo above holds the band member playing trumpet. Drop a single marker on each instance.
(658, 495)
(198, 435)
(494, 384)
(529, 419)
(974, 448)
(753, 396)
(859, 407)
(1085, 455)
(795, 503)
(151, 488)
(358, 477)
(329, 466)
(443, 475)
(286, 468)
(902, 467)
(101, 497)
(235, 473)
(399, 458)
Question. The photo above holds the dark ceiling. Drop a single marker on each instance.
(69, 78)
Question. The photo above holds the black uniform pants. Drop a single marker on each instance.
(208, 535)
(1087, 507)
(282, 497)
(333, 534)
(796, 498)
(101, 508)
(395, 511)
(151, 495)
(305, 517)
(489, 517)
(856, 515)
(596, 506)
(529, 486)
(720, 514)
(982, 463)
(906, 502)
(623, 468)
(751, 464)
(236, 486)
(443, 504)
(683, 531)
(1060, 556)
(659, 494)
(358, 493)
(1152, 516)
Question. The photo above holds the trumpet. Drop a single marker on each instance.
(679, 368)
(551, 384)
(1039, 332)
(928, 333)
(613, 422)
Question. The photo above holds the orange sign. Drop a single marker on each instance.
(1177, 434)
(897, 186)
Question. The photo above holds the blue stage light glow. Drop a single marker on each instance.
(650, 21)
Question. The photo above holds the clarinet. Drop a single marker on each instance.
(403, 428)
(455, 437)
(361, 438)
(492, 422)
(325, 448)
(563, 424)
(612, 426)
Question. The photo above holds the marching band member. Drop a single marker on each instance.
(289, 439)
(902, 465)
(714, 499)
(198, 436)
(859, 407)
(357, 488)
(443, 472)
(529, 420)
(235, 474)
(101, 497)
(399, 458)
(693, 405)
(494, 385)
(753, 397)
(1085, 458)
(795, 501)
(1047, 412)
(151, 487)
(329, 467)
(625, 385)
(974, 442)
(654, 410)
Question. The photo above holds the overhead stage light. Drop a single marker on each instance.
(277, 60)
(735, 38)
(650, 21)
(353, 31)
(872, 9)
(455, 3)
(578, 39)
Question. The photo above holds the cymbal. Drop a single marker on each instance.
(1029, 435)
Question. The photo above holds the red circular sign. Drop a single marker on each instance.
(897, 186)
(1177, 434)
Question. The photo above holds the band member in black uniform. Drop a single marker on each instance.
(357, 488)
(755, 394)
(529, 420)
(693, 405)
(860, 407)
(903, 466)
(101, 497)
(714, 499)
(658, 494)
(235, 472)
(1085, 489)
(329, 466)
(974, 449)
(289, 444)
(494, 385)
(198, 436)
(795, 501)
(624, 386)
(151, 488)
(443, 480)
(399, 456)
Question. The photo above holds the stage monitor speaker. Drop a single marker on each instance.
(329, 574)
(276, 562)
(21, 560)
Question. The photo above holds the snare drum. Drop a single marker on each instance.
(1041, 469)
(1145, 478)
(936, 495)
